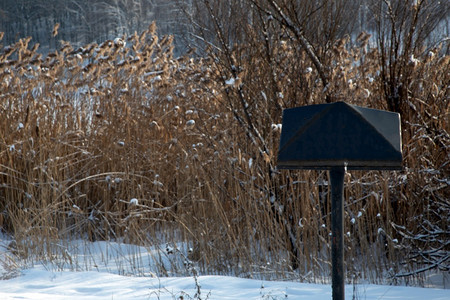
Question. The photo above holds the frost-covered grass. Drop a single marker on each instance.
(121, 141)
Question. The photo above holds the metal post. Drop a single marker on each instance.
(337, 231)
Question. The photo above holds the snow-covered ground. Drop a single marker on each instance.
(38, 283)
(118, 271)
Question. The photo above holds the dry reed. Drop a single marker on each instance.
(122, 141)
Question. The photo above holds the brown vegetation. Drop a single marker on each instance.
(84, 131)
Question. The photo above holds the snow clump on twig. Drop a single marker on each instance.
(190, 124)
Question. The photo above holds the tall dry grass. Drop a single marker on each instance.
(122, 141)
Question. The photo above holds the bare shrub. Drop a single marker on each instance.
(121, 140)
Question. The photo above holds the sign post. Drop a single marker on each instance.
(337, 232)
(337, 137)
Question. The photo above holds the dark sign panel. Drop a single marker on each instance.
(339, 134)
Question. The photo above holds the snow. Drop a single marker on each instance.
(276, 127)
(230, 81)
(113, 270)
(190, 123)
(118, 42)
(413, 60)
(39, 283)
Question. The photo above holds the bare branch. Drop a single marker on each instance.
(285, 20)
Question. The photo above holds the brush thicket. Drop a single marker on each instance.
(84, 131)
